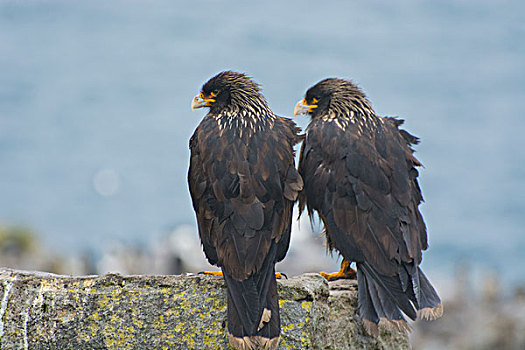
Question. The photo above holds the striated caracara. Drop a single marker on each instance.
(243, 184)
(360, 176)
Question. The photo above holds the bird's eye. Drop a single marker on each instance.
(214, 93)
(314, 100)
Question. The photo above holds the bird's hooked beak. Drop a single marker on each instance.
(200, 101)
(302, 107)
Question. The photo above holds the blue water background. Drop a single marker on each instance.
(97, 85)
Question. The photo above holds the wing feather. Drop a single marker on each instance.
(364, 186)
(243, 191)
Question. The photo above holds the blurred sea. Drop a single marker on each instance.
(95, 108)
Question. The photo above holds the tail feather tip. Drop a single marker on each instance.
(400, 326)
(371, 328)
(253, 342)
(430, 314)
(265, 318)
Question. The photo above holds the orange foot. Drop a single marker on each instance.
(211, 273)
(278, 275)
(345, 272)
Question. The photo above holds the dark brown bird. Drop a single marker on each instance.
(243, 183)
(360, 176)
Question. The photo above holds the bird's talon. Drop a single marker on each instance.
(346, 272)
(211, 273)
(338, 275)
(280, 275)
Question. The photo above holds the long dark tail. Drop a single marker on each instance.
(389, 297)
(253, 308)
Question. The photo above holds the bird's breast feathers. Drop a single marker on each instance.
(245, 121)
(353, 122)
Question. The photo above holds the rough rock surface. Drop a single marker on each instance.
(46, 311)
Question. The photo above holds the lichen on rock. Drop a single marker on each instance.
(46, 311)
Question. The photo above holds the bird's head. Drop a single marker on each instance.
(332, 95)
(231, 91)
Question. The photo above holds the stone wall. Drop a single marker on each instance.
(46, 311)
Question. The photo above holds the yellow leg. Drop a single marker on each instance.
(345, 272)
(278, 275)
(211, 273)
